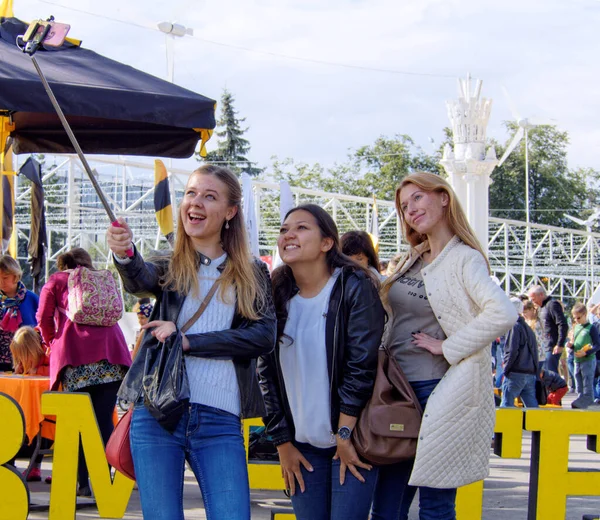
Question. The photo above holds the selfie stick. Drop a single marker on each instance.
(75, 144)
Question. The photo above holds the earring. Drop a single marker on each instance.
(227, 224)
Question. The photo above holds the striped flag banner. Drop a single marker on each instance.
(374, 225)
(162, 201)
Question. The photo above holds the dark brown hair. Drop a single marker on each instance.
(76, 257)
(357, 242)
(283, 277)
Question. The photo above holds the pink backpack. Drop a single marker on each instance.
(94, 298)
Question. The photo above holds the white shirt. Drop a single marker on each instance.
(304, 367)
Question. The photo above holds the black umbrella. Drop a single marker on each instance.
(111, 107)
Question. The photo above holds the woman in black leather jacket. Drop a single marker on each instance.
(321, 374)
(220, 347)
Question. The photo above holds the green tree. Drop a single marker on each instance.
(300, 175)
(387, 161)
(375, 169)
(232, 147)
(554, 189)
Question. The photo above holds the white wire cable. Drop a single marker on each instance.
(263, 52)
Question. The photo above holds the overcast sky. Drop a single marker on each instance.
(545, 52)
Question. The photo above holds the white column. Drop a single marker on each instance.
(468, 166)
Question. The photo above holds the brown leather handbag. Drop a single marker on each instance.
(388, 427)
(118, 449)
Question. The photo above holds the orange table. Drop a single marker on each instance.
(27, 391)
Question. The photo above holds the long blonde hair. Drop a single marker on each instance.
(240, 272)
(454, 214)
(26, 349)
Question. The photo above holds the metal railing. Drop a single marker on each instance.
(565, 261)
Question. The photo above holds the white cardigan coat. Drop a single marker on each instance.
(458, 422)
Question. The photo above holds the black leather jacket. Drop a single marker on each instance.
(244, 342)
(354, 327)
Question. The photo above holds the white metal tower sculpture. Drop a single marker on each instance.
(468, 165)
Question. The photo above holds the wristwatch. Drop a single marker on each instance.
(344, 433)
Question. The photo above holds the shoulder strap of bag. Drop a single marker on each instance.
(586, 328)
(411, 392)
(202, 307)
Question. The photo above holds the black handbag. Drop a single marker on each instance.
(166, 387)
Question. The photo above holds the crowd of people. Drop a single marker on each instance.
(545, 348)
(300, 348)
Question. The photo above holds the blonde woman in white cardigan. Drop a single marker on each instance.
(445, 311)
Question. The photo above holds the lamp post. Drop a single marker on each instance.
(467, 164)
(172, 31)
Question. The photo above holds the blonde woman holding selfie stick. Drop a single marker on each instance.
(220, 347)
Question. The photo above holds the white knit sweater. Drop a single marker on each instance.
(212, 381)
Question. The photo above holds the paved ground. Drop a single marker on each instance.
(505, 495)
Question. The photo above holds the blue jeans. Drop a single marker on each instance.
(519, 385)
(393, 495)
(324, 498)
(211, 441)
(584, 381)
(571, 365)
(499, 368)
(552, 361)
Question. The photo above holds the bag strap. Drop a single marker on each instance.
(587, 329)
(392, 359)
(202, 307)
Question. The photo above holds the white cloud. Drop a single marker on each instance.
(545, 52)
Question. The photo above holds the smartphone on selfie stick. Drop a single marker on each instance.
(46, 32)
(51, 34)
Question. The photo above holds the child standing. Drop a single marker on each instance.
(17, 307)
(585, 344)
